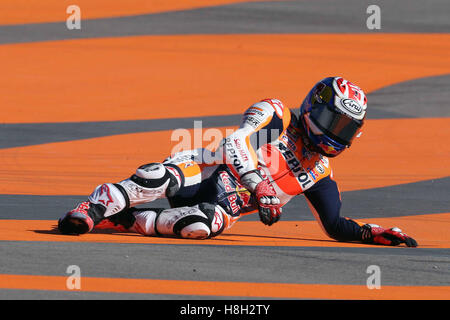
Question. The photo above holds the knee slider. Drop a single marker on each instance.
(196, 230)
(150, 182)
(151, 175)
(154, 175)
(185, 222)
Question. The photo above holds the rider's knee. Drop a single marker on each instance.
(150, 182)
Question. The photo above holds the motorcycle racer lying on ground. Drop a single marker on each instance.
(272, 157)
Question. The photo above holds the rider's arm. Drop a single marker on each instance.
(324, 201)
(262, 123)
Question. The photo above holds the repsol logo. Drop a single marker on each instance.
(233, 157)
(295, 166)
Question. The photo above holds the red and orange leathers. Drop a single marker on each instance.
(269, 140)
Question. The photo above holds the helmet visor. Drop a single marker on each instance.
(337, 126)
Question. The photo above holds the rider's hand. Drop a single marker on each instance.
(373, 233)
(269, 216)
(269, 205)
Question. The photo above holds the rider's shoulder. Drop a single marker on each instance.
(271, 105)
(269, 108)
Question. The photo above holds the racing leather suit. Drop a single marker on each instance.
(269, 140)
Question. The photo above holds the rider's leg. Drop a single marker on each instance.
(150, 182)
(201, 221)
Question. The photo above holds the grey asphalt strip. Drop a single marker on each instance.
(419, 98)
(322, 16)
(19, 135)
(46, 207)
(401, 200)
(399, 266)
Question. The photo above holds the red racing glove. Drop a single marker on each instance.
(269, 205)
(375, 234)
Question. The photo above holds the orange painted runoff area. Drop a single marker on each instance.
(76, 167)
(151, 77)
(381, 157)
(430, 231)
(226, 289)
(39, 11)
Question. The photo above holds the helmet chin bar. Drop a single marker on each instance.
(311, 125)
(311, 146)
